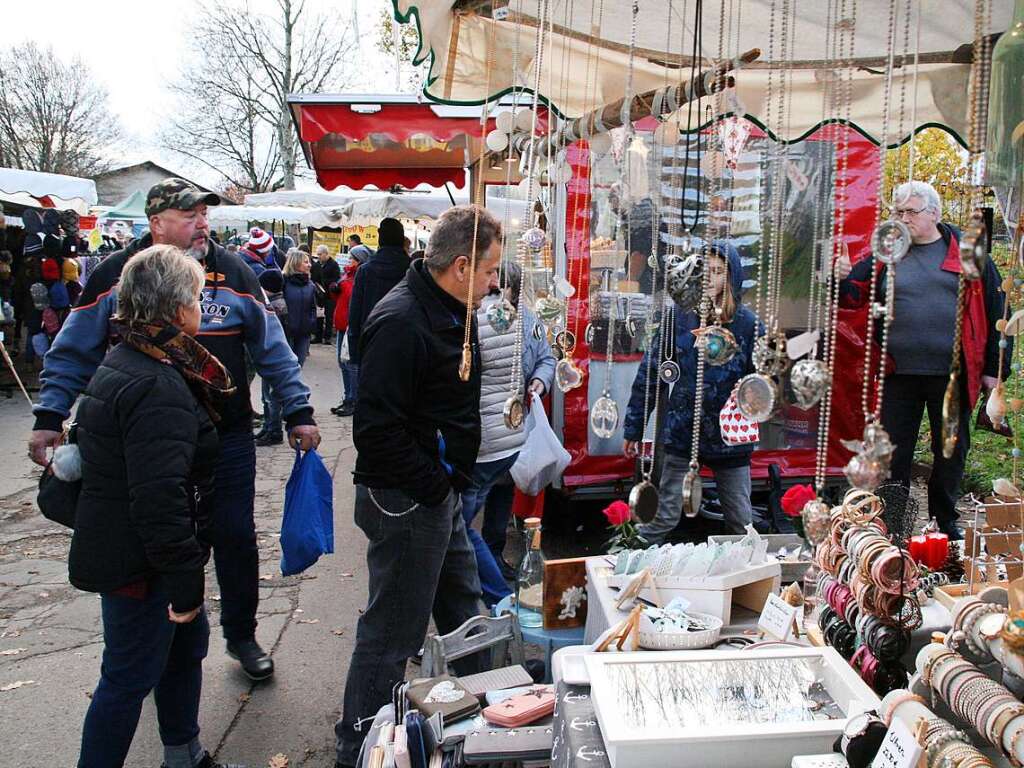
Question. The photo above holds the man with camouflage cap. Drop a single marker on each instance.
(235, 320)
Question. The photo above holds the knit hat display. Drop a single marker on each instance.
(259, 241)
(50, 269)
(69, 222)
(69, 270)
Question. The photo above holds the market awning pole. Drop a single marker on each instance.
(661, 101)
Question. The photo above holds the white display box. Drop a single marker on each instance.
(748, 587)
(639, 707)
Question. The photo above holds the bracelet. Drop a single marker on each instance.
(903, 698)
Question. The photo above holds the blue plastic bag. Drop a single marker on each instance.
(307, 529)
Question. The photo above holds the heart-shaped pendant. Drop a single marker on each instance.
(568, 375)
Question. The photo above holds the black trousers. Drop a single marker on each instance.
(906, 399)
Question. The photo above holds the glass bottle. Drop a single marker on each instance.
(1005, 147)
(530, 578)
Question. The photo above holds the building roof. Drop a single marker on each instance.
(150, 165)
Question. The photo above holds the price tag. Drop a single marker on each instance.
(899, 748)
(777, 617)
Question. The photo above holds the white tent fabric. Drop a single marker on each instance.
(66, 192)
(367, 211)
(241, 215)
(303, 198)
(578, 75)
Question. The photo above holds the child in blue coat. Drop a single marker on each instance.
(729, 463)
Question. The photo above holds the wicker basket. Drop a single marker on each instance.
(653, 640)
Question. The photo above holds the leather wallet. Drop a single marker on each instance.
(496, 680)
(415, 727)
(446, 695)
(523, 709)
(492, 745)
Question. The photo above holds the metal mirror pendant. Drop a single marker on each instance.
(756, 396)
(951, 416)
(604, 417)
(502, 316)
(566, 340)
(588, 334)
(719, 345)
(538, 331)
(669, 372)
(817, 517)
(769, 355)
(684, 280)
(643, 501)
(534, 238)
(513, 412)
(557, 351)
(865, 473)
(809, 380)
(693, 490)
(890, 241)
(568, 375)
(549, 309)
(974, 248)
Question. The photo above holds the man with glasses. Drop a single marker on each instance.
(921, 341)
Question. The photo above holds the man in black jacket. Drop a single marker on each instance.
(417, 432)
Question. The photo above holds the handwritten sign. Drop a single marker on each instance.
(899, 748)
(778, 617)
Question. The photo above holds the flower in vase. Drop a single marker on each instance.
(620, 520)
(793, 502)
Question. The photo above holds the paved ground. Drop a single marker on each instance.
(50, 634)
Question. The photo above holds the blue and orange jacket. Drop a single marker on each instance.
(236, 319)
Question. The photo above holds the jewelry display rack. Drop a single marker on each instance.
(998, 537)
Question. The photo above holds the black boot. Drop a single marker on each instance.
(209, 762)
(269, 438)
(256, 663)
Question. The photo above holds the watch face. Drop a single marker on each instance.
(643, 501)
(991, 625)
(857, 725)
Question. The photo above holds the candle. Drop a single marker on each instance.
(919, 549)
(937, 547)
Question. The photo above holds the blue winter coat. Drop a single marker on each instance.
(300, 297)
(719, 381)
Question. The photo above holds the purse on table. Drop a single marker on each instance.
(523, 709)
(444, 694)
(494, 745)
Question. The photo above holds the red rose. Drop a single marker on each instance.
(795, 499)
(617, 513)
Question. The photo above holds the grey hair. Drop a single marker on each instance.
(921, 189)
(292, 260)
(322, 249)
(156, 283)
(453, 236)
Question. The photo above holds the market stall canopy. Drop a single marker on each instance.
(132, 207)
(366, 211)
(47, 190)
(243, 215)
(300, 198)
(585, 64)
(360, 140)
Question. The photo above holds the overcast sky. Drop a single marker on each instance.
(134, 49)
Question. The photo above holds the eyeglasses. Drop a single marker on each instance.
(901, 212)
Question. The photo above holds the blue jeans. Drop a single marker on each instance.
(349, 373)
(144, 651)
(232, 532)
(489, 546)
(417, 563)
(271, 408)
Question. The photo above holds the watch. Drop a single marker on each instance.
(856, 727)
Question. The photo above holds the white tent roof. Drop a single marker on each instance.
(582, 70)
(303, 198)
(66, 192)
(411, 207)
(241, 215)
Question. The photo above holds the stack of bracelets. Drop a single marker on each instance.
(868, 584)
(945, 744)
(976, 699)
(931, 581)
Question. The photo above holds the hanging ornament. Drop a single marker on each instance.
(693, 490)
(817, 517)
(568, 375)
(566, 340)
(756, 397)
(686, 243)
(503, 122)
(523, 120)
(563, 287)
(557, 352)
(733, 133)
(643, 501)
(890, 241)
(501, 315)
(588, 334)
(683, 280)
(869, 466)
(497, 141)
(769, 355)
(809, 380)
(604, 416)
(974, 248)
(513, 412)
(951, 415)
(718, 343)
(549, 309)
(534, 238)
(538, 331)
(669, 372)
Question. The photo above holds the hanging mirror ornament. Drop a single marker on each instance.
(693, 490)
(951, 416)
(566, 340)
(869, 467)
(503, 122)
(974, 248)
(769, 355)
(718, 343)
(549, 309)
(501, 315)
(756, 396)
(669, 371)
(683, 280)
(817, 517)
(588, 334)
(568, 375)
(890, 241)
(604, 416)
(643, 501)
(534, 238)
(497, 141)
(538, 331)
(557, 352)
(809, 380)
(563, 287)
(513, 412)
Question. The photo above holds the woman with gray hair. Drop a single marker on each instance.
(149, 447)
(921, 341)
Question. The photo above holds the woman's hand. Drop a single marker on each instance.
(629, 448)
(843, 266)
(182, 618)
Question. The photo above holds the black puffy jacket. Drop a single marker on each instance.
(373, 282)
(148, 449)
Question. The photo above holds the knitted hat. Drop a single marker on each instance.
(272, 281)
(69, 270)
(259, 241)
(50, 270)
(391, 232)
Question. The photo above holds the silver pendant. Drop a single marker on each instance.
(684, 280)
(693, 490)
(538, 331)
(643, 501)
(568, 375)
(534, 238)
(557, 351)
(769, 355)
(631, 328)
(588, 334)
(890, 241)
(756, 397)
(869, 467)
(809, 380)
(513, 412)
(718, 343)
(604, 416)
(549, 309)
(566, 340)
(501, 315)
(669, 372)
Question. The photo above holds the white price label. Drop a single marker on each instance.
(777, 617)
(899, 748)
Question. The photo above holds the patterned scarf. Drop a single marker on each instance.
(205, 375)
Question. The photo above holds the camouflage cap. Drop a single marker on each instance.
(177, 194)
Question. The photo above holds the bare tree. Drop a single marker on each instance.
(233, 112)
(53, 115)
